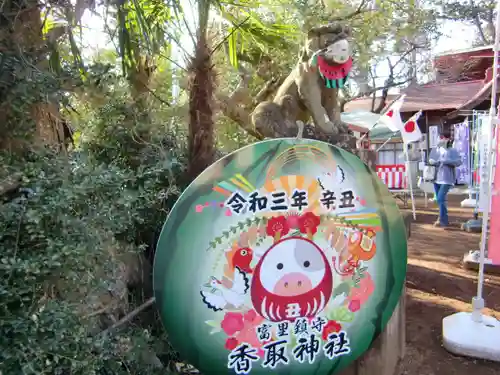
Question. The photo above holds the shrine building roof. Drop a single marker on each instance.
(428, 97)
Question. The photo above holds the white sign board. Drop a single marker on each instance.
(433, 136)
(422, 145)
(484, 134)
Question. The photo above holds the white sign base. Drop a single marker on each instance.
(463, 336)
(471, 261)
(472, 258)
(469, 203)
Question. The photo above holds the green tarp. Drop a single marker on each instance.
(383, 133)
(368, 120)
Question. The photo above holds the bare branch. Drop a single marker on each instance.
(391, 67)
(402, 57)
(269, 87)
(477, 22)
(156, 96)
(373, 75)
(233, 105)
(127, 318)
(227, 36)
(393, 84)
(236, 112)
(383, 97)
(190, 32)
(355, 13)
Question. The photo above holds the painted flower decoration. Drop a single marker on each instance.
(354, 305)
(330, 327)
(293, 220)
(231, 343)
(240, 327)
(308, 223)
(349, 266)
(364, 290)
(251, 316)
(232, 323)
(277, 227)
(248, 333)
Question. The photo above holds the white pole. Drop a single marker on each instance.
(422, 156)
(373, 127)
(408, 180)
(478, 301)
(364, 135)
(383, 144)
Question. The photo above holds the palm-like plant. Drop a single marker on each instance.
(141, 32)
(245, 28)
(145, 27)
(201, 89)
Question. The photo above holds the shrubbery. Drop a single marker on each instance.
(76, 245)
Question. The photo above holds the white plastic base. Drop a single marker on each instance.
(463, 336)
(468, 203)
(473, 257)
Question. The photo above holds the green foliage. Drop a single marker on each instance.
(140, 29)
(22, 85)
(479, 13)
(60, 260)
(67, 248)
(230, 136)
(467, 10)
(251, 36)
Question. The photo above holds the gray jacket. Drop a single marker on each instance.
(445, 160)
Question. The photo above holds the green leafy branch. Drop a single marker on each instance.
(345, 287)
(240, 226)
(341, 314)
(343, 221)
(215, 326)
(359, 273)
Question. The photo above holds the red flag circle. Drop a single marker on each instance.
(410, 126)
(390, 113)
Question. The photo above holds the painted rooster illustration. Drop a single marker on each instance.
(242, 259)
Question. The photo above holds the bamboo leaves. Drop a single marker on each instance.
(248, 31)
(141, 28)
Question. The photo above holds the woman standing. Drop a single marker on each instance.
(445, 158)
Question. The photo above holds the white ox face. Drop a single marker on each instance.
(292, 267)
(338, 52)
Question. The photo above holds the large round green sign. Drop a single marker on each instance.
(287, 256)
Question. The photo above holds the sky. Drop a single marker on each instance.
(456, 36)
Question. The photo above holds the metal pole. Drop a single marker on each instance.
(364, 135)
(409, 182)
(373, 127)
(478, 301)
(409, 179)
(383, 144)
(422, 157)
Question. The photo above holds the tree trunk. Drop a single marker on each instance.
(139, 79)
(201, 122)
(21, 33)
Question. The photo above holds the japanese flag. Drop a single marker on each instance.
(410, 131)
(392, 117)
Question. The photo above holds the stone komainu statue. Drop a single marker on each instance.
(311, 89)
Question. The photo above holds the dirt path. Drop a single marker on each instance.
(438, 286)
